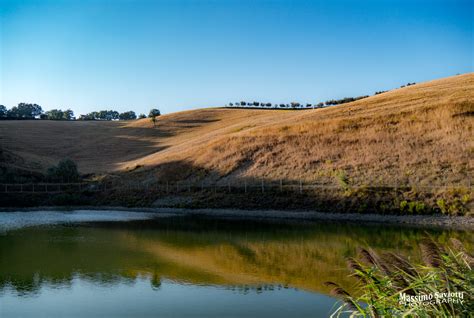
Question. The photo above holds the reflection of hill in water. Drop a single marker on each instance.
(233, 254)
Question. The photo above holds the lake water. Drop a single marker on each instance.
(121, 264)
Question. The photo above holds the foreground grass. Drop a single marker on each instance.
(392, 286)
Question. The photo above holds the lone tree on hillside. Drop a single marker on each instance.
(153, 114)
(153, 120)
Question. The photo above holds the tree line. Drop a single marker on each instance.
(34, 111)
(268, 105)
(296, 105)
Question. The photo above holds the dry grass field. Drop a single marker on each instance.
(421, 134)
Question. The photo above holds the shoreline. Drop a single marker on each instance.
(430, 221)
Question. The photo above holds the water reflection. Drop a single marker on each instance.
(243, 256)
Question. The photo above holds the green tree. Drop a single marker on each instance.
(128, 115)
(154, 112)
(68, 114)
(102, 115)
(54, 114)
(113, 115)
(65, 171)
(3, 111)
(25, 111)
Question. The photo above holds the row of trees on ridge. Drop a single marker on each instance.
(296, 105)
(33, 111)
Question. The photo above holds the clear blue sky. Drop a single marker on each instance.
(176, 55)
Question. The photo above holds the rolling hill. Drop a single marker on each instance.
(416, 136)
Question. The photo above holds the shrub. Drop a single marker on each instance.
(420, 207)
(442, 206)
(454, 205)
(342, 179)
(65, 171)
(403, 206)
(413, 207)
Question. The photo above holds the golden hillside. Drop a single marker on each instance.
(417, 134)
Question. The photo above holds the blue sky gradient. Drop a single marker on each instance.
(176, 55)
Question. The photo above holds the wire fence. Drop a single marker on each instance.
(260, 186)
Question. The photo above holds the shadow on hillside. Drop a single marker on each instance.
(96, 147)
(142, 148)
(182, 184)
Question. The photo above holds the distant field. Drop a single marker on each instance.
(420, 134)
(105, 146)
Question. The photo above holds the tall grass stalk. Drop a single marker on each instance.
(385, 279)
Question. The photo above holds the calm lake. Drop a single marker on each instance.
(125, 264)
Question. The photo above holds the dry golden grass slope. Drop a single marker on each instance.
(420, 134)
